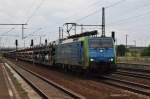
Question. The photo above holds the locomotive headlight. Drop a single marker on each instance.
(91, 60)
(101, 51)
(111, 59)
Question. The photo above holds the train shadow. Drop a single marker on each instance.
(72, 72)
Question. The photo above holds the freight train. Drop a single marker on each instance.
(85, 53)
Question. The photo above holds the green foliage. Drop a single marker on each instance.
(146, 51)
(121, 50)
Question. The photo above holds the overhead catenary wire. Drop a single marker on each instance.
(83, 10)
(36, 9)
(32, 33)
(8, 31)
(95, 3)
(129, 18)
(83, 18)
(114, 4)
(143, 6)
(97, 11)
(140, 27)
(33, 4)
(126, 19)
(9, 35)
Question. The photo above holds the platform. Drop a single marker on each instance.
(5, 91)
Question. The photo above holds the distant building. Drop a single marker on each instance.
(129, 46)
(132, 48)
(4, 50)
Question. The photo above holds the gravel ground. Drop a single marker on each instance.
(25, 91)
(133, 79)
(88, 88)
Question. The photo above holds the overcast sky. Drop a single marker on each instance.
(131, 17)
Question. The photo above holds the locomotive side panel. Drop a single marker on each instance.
(69, 54)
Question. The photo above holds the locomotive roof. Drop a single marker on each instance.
(81, 39)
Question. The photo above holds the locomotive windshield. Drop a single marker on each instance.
(100, 43)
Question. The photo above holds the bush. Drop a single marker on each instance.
(121, 50)
(146, 51)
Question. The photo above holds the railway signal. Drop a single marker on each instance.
(31, 43)
(16, 43)
(45, 41)
(113, 35)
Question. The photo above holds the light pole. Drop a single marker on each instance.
(126, 45)
(0, 41)
(135, 46)
(126, 40)
(134, 43)
(24, 43)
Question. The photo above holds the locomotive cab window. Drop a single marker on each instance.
(100, 43)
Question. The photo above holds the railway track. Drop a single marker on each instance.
(130, 72)
(133, 74)
(134, 67)
(47, 89)
(92, 84)
(134, 64)
(128, 85)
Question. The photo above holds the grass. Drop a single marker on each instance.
(22, 93)
(134, 59)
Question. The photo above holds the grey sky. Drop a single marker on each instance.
(126, 17)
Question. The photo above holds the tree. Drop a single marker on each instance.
(121, 50)
(146, 51)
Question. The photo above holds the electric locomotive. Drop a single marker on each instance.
(102, 55)
(90, 53)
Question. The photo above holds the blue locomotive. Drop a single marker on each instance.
(87, 53)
